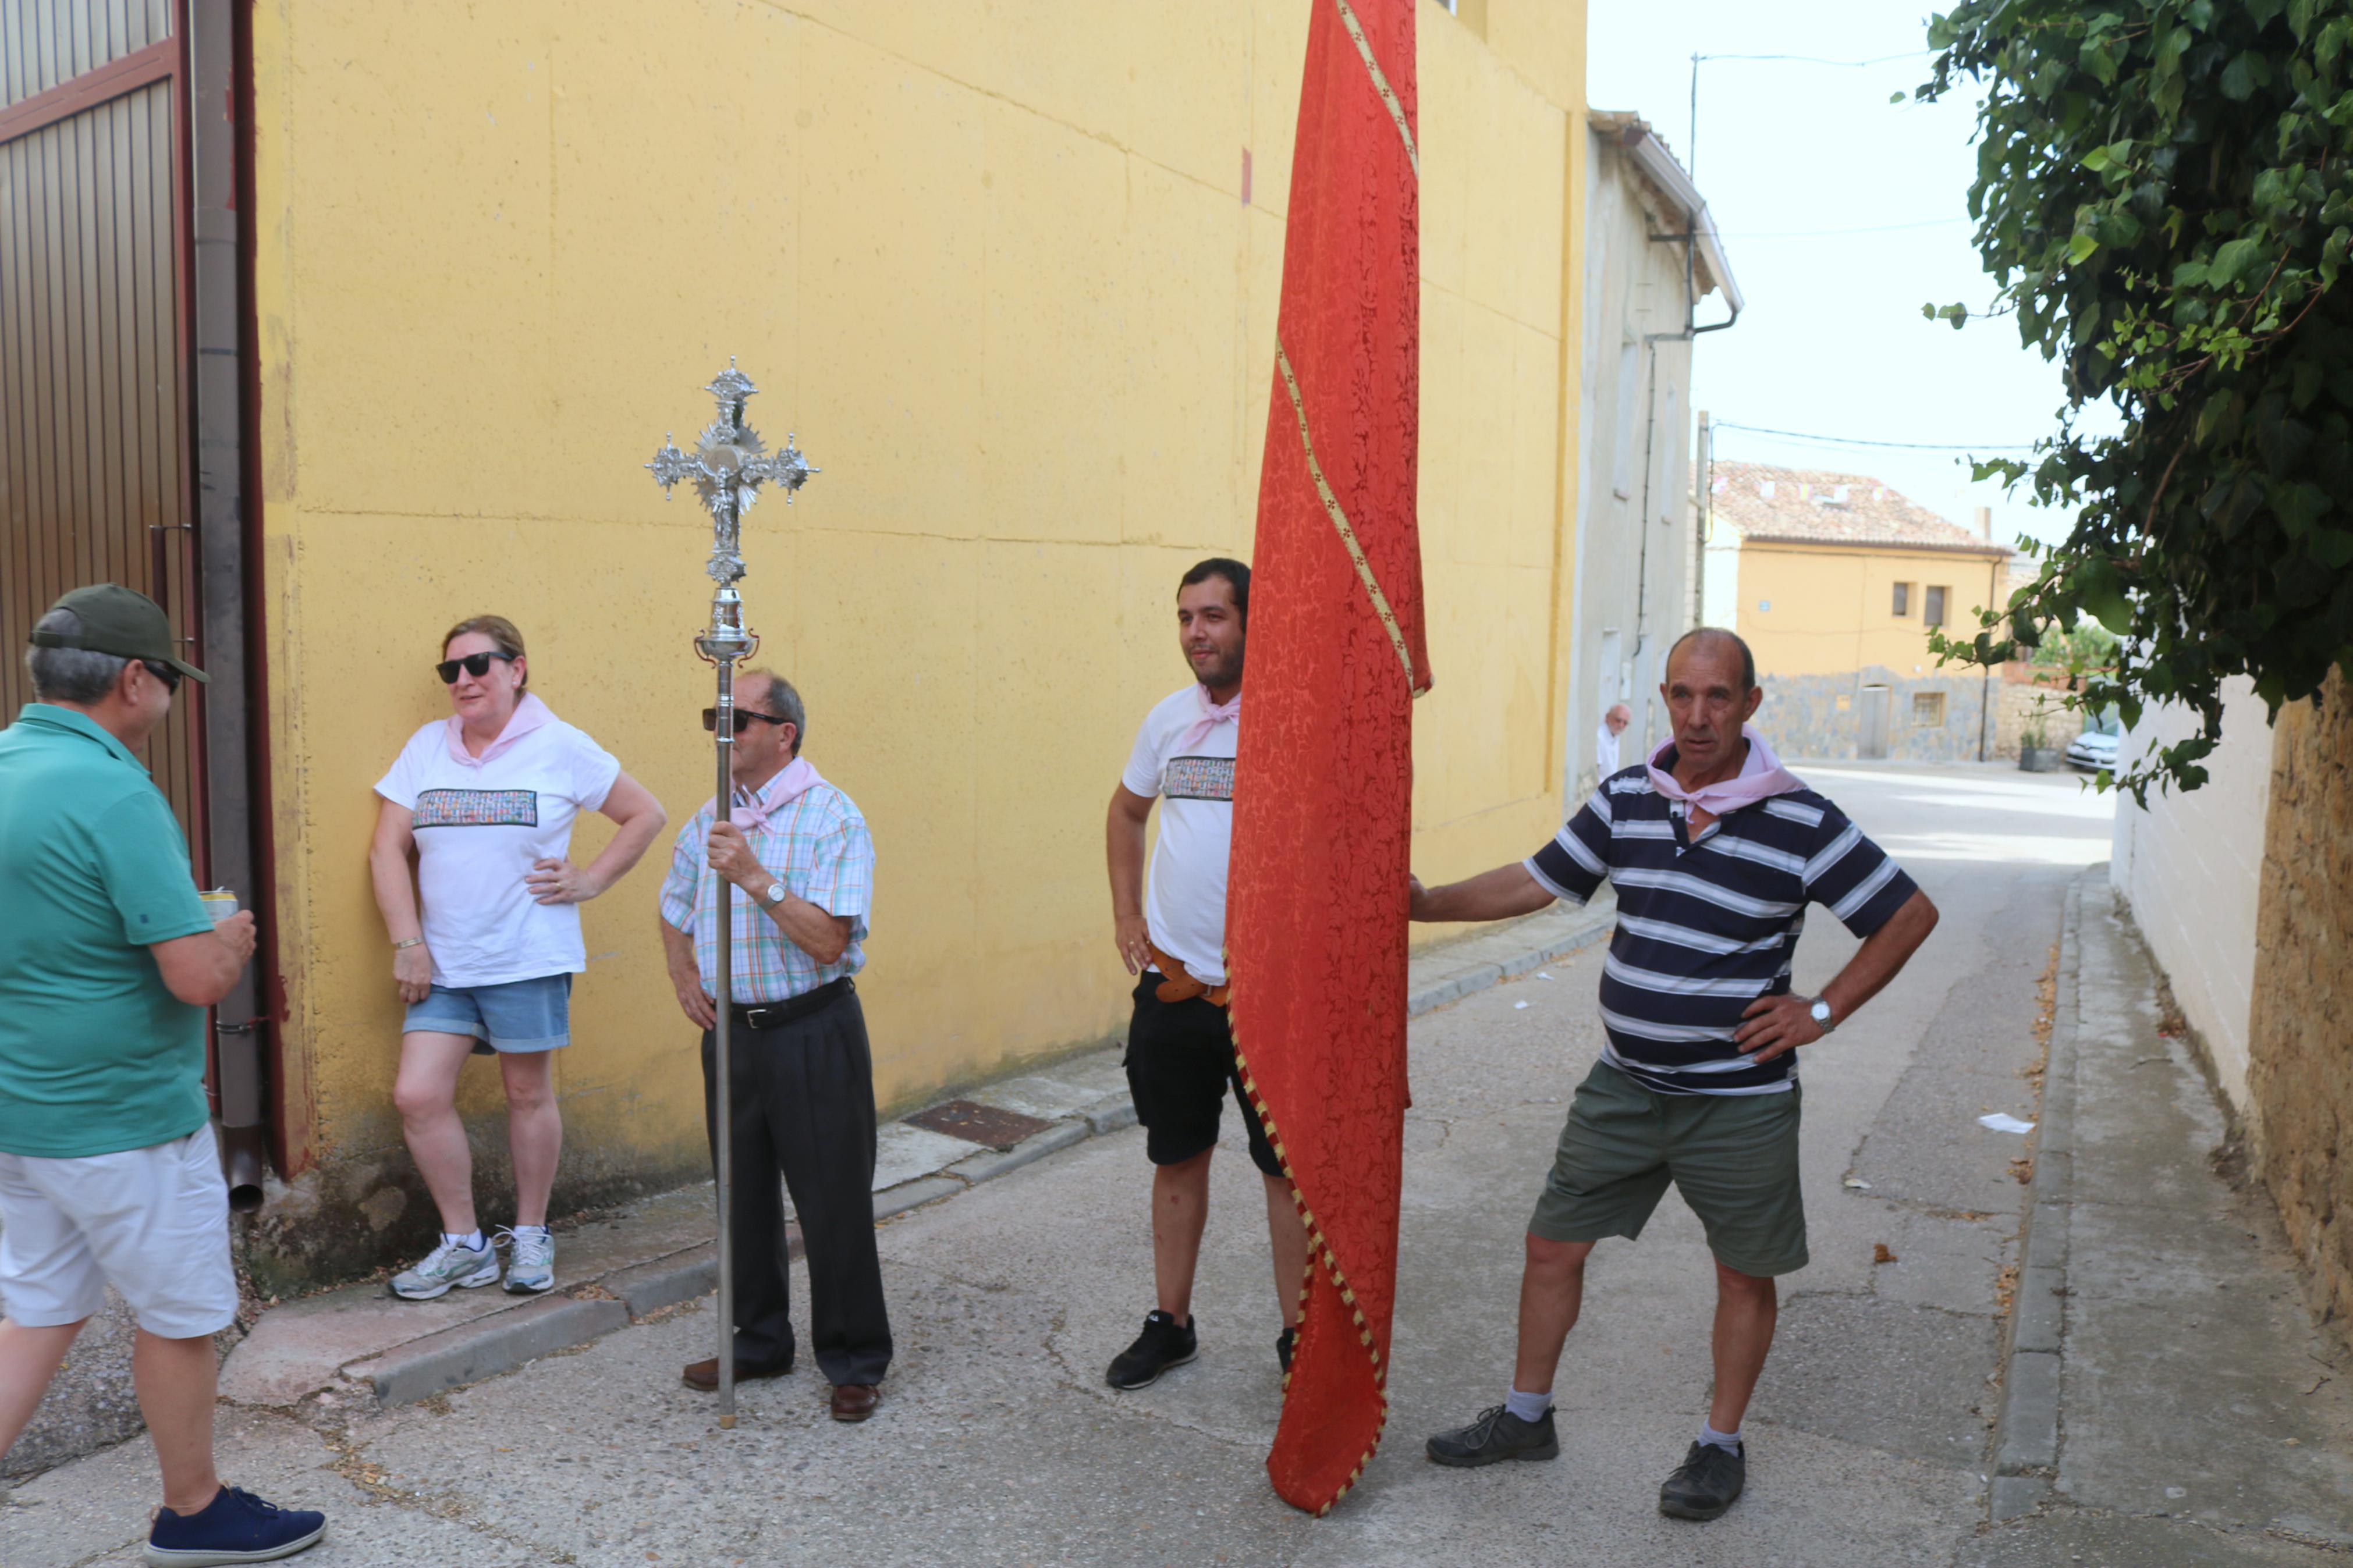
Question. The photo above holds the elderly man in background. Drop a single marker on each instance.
(1605, 740)
(107, 960)
(1715, 850)
(798, 857)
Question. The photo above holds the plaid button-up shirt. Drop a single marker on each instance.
(818, 846)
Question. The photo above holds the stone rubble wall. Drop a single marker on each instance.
(2301, 1023)
(1802, 718)
(2024, 691)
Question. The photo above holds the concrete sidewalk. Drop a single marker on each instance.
(361, 1342)
(2167, 1397)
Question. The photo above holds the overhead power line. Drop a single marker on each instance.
(1819, 60)
(1859, 441)
(1821, 233)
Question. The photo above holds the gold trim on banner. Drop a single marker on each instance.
(1340, 523)
(1380, 82)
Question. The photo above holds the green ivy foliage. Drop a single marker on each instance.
(2165, 200)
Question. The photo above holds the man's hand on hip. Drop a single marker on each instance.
(1776, 1024)
(1135, 939)
(696, 1003)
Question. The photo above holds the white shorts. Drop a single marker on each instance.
(152, 1221)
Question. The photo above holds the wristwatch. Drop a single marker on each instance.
(1819, 1009)
(772, 897)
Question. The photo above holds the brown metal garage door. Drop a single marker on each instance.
(95, 433)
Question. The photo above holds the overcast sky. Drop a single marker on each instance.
(1832, 341)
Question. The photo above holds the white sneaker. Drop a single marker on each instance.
(530, 1259)
(452, 1263)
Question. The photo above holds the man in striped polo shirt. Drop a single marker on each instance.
(1715, 850)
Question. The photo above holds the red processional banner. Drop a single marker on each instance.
(1317, 911)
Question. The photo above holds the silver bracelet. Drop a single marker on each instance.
(408, 942)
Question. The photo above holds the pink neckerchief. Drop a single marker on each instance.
(530, 714)
(1210, 716)
(753, 807)
(1761, 777)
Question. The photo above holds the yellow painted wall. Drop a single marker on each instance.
(994, 265)
(1833, 606)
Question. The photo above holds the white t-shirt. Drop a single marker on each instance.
(479, 824)
(1185, 896)
(1605, 752)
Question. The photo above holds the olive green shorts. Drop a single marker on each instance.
(1733, 1157)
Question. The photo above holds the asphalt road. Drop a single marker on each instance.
(999, 1444)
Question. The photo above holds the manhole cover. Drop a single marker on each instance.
(976, 1123)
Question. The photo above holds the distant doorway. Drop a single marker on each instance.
(1871, 709)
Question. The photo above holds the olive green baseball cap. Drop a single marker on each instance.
(122, 621)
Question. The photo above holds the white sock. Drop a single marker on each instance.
(529, 1230)
(1727, 1441)
(471, 1240)
(1528, 1407)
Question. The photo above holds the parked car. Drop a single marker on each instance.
(2092, 750)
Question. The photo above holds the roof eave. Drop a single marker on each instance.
(1659, 168)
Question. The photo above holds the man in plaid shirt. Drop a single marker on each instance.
(798, 864)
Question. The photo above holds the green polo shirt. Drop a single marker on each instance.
(96, 1055)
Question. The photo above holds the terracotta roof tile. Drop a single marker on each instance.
(1816, 505)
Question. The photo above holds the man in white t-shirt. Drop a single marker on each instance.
(1180, 1052)
(1605, 742)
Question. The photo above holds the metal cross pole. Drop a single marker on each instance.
(728, 465)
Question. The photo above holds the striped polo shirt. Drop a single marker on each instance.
(1707, 926)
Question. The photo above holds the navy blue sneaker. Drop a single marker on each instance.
(235, 1527)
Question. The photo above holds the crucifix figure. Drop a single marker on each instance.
(728, 465)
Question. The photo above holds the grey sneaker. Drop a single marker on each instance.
(447, 1264)
(1706, 1483)
(1496, 1434)
(531, 1260)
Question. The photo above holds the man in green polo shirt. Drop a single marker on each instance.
(107, 960)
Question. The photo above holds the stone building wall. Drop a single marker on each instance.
(1820, 716)
(2025, 689)
(2300, 1024)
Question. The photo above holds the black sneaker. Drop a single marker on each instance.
(1163, 1343)
(1496, 1434)
(1283, 1345)
(1706, 1483)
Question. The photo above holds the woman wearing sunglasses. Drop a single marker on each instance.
(485, 957)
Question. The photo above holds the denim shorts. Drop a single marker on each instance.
(520, 1016)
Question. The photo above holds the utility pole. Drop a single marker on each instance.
(1703, 517)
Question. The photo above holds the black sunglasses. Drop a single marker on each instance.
(477, 665)
(743, 716)
(164, 673)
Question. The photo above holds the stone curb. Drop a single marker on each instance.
(646, 1288)
(496, 1343)
(2027, 1431)
(505, 1340)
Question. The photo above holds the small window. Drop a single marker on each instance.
(1928, 707)
(1932, 607)
(1902, 598)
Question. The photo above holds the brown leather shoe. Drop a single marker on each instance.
(855, 1401)
(705, 1374)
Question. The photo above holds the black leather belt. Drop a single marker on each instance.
(774, 1015)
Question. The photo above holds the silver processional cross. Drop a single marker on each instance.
(729, 464)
